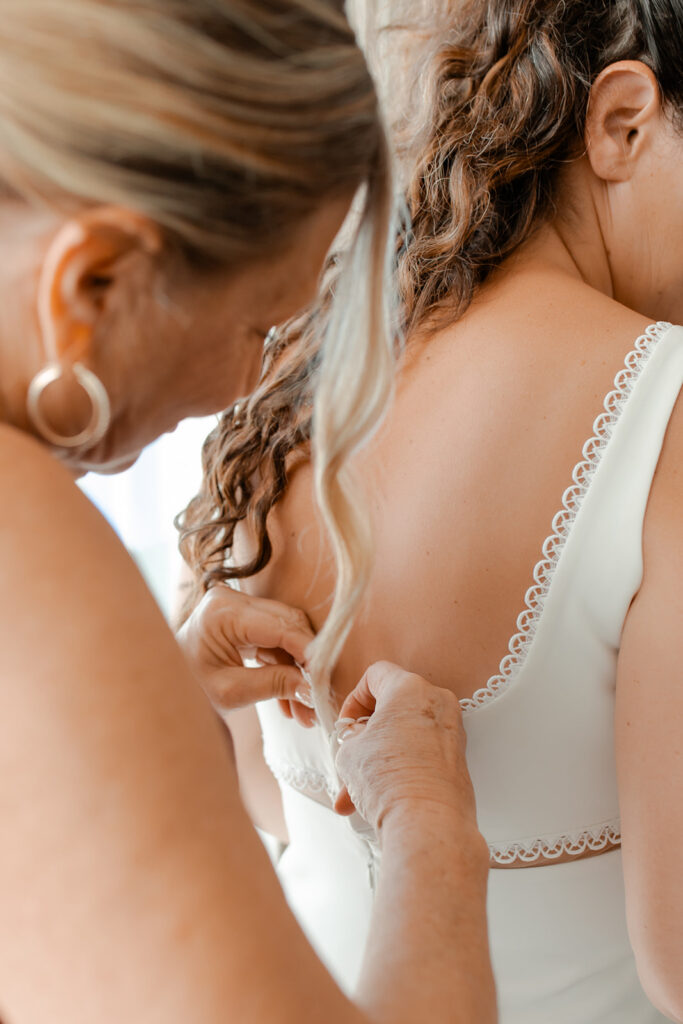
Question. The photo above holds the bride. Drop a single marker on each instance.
(526, 484)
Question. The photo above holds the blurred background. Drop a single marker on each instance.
(141, 503)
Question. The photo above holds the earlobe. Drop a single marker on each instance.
(623, 112)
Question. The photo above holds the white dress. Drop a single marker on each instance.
(540, 747)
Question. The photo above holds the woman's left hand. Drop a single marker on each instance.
(228, 628)
(402, 752)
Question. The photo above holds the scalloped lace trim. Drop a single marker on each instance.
(595, 838)
(308, 781)
(312, 783)
(572, 500)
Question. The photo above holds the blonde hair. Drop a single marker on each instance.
(225, 121)
(327, 382)
(499, 97)
(353, 391)
(477, 186)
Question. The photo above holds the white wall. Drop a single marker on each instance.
(142, 502)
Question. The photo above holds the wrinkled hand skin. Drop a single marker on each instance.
(411, 753)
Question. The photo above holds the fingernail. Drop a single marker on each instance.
(305, 673)
(303, 695)
(343, 728)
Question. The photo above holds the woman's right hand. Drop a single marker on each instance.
(228, 629)
(403, 750)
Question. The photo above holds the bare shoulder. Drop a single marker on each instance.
(652, 646)
(41, 501)
(26, 466)
(657, 609)
(300, 572)
(649, 706)
(48, 526)
(68, 588)
(663, 531)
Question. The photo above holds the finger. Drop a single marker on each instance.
(240, 687)
(363, 699)
(302, 709)
(343, 805)
(244, 621)
(285, 708)
(305, 716)
(273, 656)
(270, 629)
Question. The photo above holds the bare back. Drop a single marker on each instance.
(574, 756)
(464, 480)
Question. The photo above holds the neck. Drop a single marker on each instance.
(600, 236)
(573, 242)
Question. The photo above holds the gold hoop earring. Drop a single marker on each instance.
(99, 399)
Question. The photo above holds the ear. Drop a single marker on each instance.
(623, 115)
(83, 262)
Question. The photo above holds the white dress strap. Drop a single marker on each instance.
(541, 737)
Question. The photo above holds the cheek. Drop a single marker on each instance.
(239, 357)
(290, 293)
(222, 363)
(293, 283)
(252, 364)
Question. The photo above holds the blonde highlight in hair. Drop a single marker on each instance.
(326, 384)
(500, 92)
(292, 128)
(353, 392)
(499, 100)
(225, 121)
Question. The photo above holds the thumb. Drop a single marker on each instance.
(239, 687)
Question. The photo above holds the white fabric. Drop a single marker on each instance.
(540, 747)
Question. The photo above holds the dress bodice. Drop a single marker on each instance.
(541, 731)
(540, 739)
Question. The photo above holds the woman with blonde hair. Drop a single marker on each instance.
(526, 485)
(173, 173)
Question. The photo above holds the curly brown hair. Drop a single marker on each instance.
(508, 93)
(501, 100)
(246, 456)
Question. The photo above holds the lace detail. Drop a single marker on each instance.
(572, 499)
(305, 780)
(313, 783)
(597, 837)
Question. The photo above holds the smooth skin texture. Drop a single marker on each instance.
(133, 886)
(469, 469)
(649, 709)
